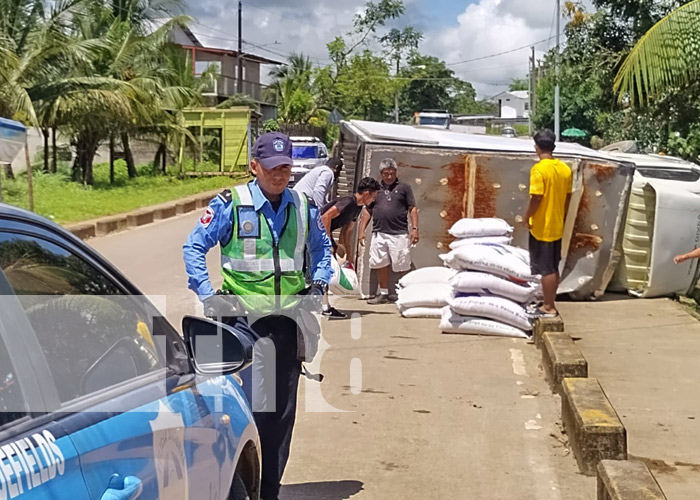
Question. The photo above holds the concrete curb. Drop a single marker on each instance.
(627, 480)
(596, 435)
(562, 359)
(594, 428)
(141, 216)
(544, 325)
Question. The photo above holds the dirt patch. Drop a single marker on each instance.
(581, 239)
(453, 207)
(655, 465)
(693, 467)
(603, 172)
(484, 195)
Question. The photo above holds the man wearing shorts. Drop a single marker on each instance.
(550, 194)
(392, 236)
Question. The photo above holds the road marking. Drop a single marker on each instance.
(356, 376)
(356, 326)
(516, 356)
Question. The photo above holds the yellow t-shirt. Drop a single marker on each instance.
(552, 180)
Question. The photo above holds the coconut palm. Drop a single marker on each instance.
(666, 57)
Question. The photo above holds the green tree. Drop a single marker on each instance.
(430, 84)
(518, 84)
(365, 88)
(666, 57)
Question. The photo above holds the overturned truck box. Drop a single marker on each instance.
(456, 175)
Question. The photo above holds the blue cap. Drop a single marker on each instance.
(272, 150)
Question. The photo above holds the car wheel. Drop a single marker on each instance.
(238, 489)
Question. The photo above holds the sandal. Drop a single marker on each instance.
(539, 313)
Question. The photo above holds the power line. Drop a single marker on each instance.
(551, 26)
(282, 16)
(500, 53)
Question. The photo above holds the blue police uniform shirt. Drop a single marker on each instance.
(216, 227)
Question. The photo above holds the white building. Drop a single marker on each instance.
(513, 104)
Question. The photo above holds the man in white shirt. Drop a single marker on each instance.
(317, 184)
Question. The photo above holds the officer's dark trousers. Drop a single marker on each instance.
(277, 397)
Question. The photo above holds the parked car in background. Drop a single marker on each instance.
(508, 132)
(431, 118)
(100, 397)
(307, 153)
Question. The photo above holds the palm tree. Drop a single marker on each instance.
(666, 57)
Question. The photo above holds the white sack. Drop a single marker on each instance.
(427, 275)
(344, 280)
(422, 312)
(469, 228)
(475, 282)
(501, 240)
(424, 295)
(452, 322)
(501, 260)
(495, 308)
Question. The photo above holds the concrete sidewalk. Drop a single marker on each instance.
(646, 354)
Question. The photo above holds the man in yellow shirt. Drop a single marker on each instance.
(550, 194)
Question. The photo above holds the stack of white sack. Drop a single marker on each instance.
(470, 231)
(424, 292)
(491, 288)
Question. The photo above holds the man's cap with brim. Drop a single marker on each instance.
(272, 150)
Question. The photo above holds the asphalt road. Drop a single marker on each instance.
(404, 411)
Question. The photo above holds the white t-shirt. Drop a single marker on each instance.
(316, 184)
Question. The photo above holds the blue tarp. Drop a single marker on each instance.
(13, 136)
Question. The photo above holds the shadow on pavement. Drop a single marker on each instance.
(322, 490)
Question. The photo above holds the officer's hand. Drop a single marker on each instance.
(317, 289)
(314, 296)
(220, 306)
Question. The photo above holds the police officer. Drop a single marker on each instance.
(262, 228)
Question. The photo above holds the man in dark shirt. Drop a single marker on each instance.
(342, 214)
(391, 236)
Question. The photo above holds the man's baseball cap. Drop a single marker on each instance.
(272, 150)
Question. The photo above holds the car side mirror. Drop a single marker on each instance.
(215, 348)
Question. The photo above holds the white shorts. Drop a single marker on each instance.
(394, 249)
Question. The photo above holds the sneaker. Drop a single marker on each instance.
(333, 313)
(393, 297)
(379, 299)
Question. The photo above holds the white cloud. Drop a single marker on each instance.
(485, 27)
(491, 27)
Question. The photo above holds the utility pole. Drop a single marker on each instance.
(557, 125)
(532, 85)
(240, 47)
(396, 95)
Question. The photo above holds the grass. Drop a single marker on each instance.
(520, 130)
(65, 201)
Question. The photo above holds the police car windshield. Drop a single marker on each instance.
(304, 152)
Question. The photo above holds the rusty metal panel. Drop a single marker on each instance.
(592, 240)
(452, 184)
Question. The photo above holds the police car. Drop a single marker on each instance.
(307, 154)
(100, 397)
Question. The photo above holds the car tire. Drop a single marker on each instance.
(238, 489)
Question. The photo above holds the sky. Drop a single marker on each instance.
(454, 31)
